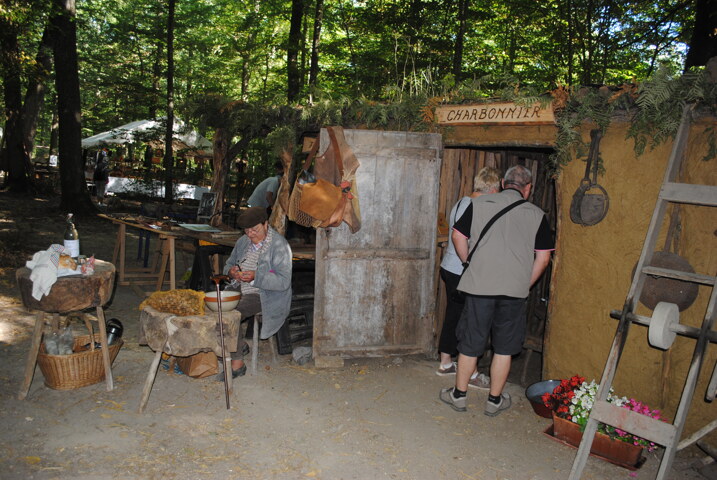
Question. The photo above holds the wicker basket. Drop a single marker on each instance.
(295, 213)
(81, 368)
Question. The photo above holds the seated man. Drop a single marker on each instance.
(259, 267)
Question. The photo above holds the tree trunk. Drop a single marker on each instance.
(293, 76)
(571, 51)
(156, 75)
(460, 37)
(14, 154)
(168, 150)
(220, 146)
(75, 197)
(314, 67)
(35, 96)
(248, 58)
(221, 161)
(54, 131)
(703, 44)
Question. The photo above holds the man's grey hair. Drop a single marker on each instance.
(518, 175)
(487, 180)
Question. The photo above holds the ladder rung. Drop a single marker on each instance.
(679, 275)
(689, 193)
(652, 429)
(680, 329)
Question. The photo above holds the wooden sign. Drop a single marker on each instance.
(507, 113)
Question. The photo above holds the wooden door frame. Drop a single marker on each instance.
(460, 165)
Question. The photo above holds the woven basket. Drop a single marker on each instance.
(80, 369)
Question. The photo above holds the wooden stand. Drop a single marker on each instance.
(68, 294)
(156, 273)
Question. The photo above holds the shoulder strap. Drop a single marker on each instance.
(312, 153)
(487, 226)
(315, 148)
(335, 144)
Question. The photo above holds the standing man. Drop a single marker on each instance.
(264, 195)
(101, 176)
(511, 257)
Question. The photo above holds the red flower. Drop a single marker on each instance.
(559, 400)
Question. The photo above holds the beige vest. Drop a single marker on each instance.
(503, 262)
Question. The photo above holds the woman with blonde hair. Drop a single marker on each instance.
(486, 181)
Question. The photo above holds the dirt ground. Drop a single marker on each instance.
(373, 418)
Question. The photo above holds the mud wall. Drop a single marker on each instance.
(593, 271)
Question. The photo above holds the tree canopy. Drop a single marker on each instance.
(311, 54)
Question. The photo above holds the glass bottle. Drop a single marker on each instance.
(72, 238)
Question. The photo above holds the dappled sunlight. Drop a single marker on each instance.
(16, 322)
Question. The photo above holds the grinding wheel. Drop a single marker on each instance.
(661, 289)
(664, 317)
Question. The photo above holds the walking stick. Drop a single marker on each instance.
(227, 377)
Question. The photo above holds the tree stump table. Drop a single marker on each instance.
(183, 336)
(69, 294)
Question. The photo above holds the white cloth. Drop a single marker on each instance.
(44, 270)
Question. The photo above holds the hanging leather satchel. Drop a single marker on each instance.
(312, 200)
(339, 164)
(320, 199)
(317, 202)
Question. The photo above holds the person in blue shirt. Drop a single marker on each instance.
(264, 195)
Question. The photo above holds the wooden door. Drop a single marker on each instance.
(375, 289)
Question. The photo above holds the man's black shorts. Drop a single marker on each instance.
(498, 317)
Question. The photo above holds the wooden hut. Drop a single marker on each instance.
(592, 267)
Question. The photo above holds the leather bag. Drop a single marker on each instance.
(316, 200)
(338, 164)
(320, 199)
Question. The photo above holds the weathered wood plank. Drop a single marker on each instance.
(376, 289)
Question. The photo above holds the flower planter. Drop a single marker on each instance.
(615, 451)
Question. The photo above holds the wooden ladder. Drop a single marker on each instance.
(660, 432)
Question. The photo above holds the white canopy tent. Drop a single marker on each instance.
(152, 131)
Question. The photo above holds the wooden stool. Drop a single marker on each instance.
(255, 345)
(68, 294)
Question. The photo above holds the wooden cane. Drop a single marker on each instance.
(217, 279)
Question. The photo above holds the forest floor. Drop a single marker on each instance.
(372, 418)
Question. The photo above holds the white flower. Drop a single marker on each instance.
(582, 403)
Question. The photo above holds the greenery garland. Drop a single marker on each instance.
(653, 109)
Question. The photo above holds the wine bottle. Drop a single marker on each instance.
(72, 238)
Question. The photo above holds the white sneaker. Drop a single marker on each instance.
(481, 382)
(442, 372)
